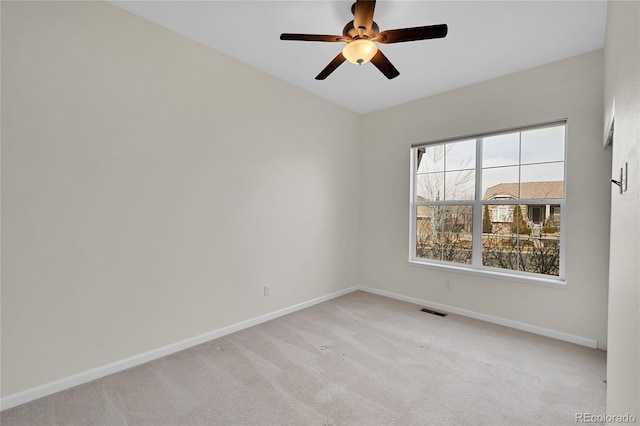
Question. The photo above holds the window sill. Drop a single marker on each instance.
(484, 273)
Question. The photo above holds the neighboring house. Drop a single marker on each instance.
(536, 216)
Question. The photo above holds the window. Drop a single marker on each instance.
(537, 215)
(502, 214)
(491, 202)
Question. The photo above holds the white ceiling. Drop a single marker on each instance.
(486, 39)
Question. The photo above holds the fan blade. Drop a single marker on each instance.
(337, 61)
(313, 37)
(363, 15)
(384, 65)
(412, 34)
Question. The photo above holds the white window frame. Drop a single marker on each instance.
(476, 267)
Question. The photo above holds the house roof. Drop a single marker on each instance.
(528, 190)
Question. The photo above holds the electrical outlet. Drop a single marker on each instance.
(266, 290)
(447, 284)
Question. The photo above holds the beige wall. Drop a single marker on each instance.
(622, 83)
(571, 88)
(151, 187)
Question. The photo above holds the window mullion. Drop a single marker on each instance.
(476, 256)
(518, 210)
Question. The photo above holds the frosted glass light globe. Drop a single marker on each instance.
(360, 51)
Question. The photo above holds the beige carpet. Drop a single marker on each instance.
(360, 359)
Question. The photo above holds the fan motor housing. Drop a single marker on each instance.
(350, 30)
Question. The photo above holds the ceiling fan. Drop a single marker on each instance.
(361, 35)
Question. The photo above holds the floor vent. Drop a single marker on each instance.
(429, 311)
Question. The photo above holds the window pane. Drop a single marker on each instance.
(542, 181)
(500, 183)
(501, 150)
(540, 251)
(501, 229)
(502, 219)
(455, 241)
(542, 145)
(461, 155)
(501, 251)
(529, 242)
(444, 233)
(457, 219)
(454, 247)
(430, 186)
(428, 227)
(432, 160)
(460, 185)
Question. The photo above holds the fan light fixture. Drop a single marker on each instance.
(360, 51)
(361, 36)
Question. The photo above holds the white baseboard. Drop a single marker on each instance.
(583, 341)
(105, 370)
(114, 367)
